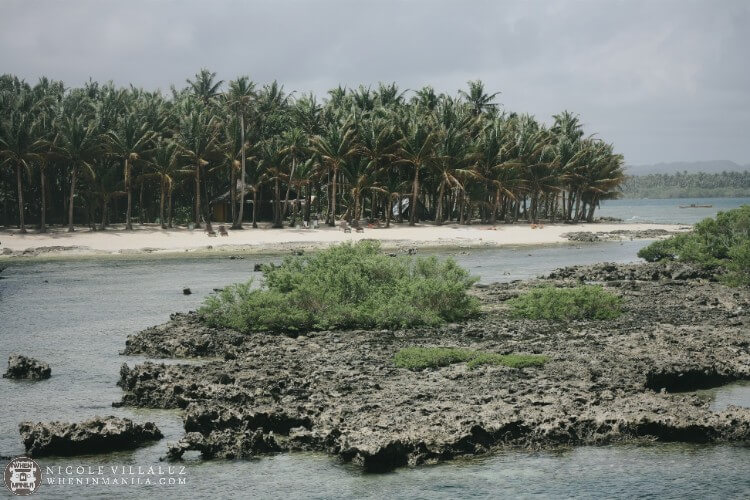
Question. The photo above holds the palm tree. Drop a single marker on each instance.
(78, 142)
(165, 163)
(416, 148)
(239, 100)
(480, 101)
(271, 162)
(294, 144)
(335, 145)
(377, 143)
(197, 139)
(19, 144)
(128, 141)
(204, 87)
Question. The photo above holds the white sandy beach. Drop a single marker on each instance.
(150, 238)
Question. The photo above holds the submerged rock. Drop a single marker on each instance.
(21, 367)
(98, 435)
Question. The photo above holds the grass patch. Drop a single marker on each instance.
(419, 358)
(723, 242)
(581, 302)
(346, 286)
(511, 360)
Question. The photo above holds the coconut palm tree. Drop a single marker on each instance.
(165, 164)
(416, 149)
(78, 142)
(197, 137)
(334, 146)
(480, 101)
(239, 101)
(127, 141)
(204, 86)
(20, 143)
(294, 144)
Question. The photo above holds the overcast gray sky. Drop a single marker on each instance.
(663, 80)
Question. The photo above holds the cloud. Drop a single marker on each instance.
(663, 80)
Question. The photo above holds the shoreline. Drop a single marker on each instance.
(151, 241)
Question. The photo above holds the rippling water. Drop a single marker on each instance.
(667, 211)
(76, 315)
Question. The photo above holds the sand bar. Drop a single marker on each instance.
(150, 238)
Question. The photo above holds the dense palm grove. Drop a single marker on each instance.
(685, 185)
(101, 154)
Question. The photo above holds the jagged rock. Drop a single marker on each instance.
(650, 271)
(339, 392)
(616, 235)
(583, 236)
(21, 367)
(228, 444)
(98, 435)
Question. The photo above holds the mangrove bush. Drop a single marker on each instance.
(581, 302)
(419, 358)
(346, 286)
(721, 242)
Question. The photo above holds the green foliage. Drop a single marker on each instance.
(581, 302)
(720, 242)
(346, 286)
(419, 358)
(684, 185)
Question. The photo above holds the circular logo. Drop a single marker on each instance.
(22, 476)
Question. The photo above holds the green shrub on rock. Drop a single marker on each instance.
(581, 302)
(419, 358)
(723, 242)
(346, 286)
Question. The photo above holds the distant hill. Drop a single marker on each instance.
(692, 167)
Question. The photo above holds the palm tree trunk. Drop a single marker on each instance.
(288, 186)
(439, 211)
(333, 200)
(308, 202)
(161, 207)
(43, 214)
(141, 208)
(72, 197)
(388, 209)
(495, 207)
(128, 223)
(414, 197)
(169, 203)
(20, 198)
(241, 212)
(104, 213)
(277, 222)
(198, 193)
(233, 193)
(577, 215)
(255, 207)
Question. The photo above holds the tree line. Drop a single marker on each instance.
(685, 185)
(83, 155)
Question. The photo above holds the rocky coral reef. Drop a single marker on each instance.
(340, 392)
(98, 435)
(22, 367)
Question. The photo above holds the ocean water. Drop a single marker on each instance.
(76, 314)
(667, 211)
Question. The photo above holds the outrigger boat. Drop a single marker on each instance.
(693, 205)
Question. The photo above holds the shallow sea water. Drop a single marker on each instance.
(77, 314)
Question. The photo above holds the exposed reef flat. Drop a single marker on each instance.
(340, 392)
